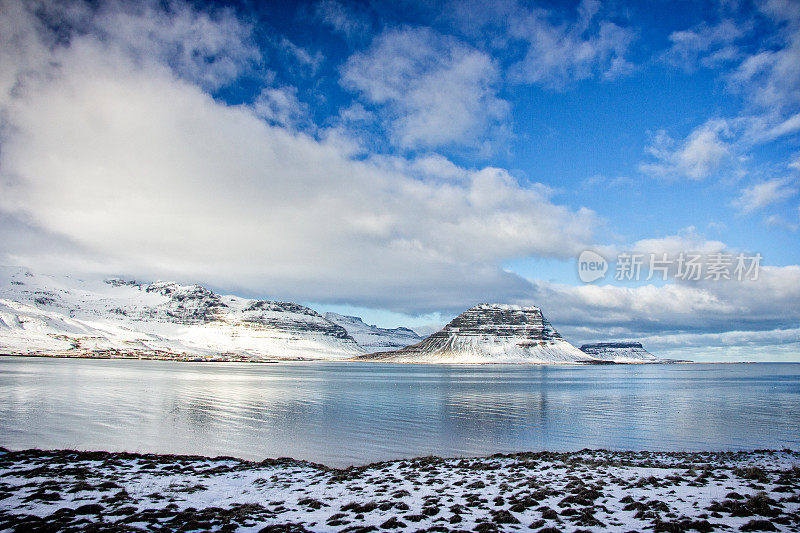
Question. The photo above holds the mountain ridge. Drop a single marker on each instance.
(372, 338)
(48, 315)
(69, 316)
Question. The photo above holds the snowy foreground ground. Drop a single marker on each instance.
(583, 491)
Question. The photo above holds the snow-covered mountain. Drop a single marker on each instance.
(52, 315)
(373, 338)
(491, 333)
(620, 352)
(65, 315)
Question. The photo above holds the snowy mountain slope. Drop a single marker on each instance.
(26, 329)
(491, 333)
(45, 314)
(619, 352)
(373, 338)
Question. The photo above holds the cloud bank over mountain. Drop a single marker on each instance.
(400, 161)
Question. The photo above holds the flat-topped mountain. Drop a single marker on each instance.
(373, 338)
(619, 352)
(491, 333)
(68, 316)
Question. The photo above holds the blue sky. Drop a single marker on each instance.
(584, 135)
(404, 161)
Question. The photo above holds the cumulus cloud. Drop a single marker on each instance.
(696, 157)
(673, 318)
(433, 89)
(148, 175)
(700, 319)
(560, 52)
(765, 193)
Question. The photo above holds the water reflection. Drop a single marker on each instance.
(354, 413)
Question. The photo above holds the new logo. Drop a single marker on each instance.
(591, 266)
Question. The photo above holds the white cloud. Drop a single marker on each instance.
(781, 10)
(683, 320)
(765, 71)
(210, 47)
(429, 166)
(705, 45)
(355, 113)
(703, 319)
(146, 174)
(765, 193)
(341, 19)
(434, 90)
(600, 181)
(439, 166)
(766, 127)
(686, 240)
(560, 53)
(780, 344)
(307, 62)
(280, 106)
(780, 222)
(770, 77)
(787, 127)
(698, 156)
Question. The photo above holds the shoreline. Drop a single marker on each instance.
(150, 357)
(588, 490)
(242, 359)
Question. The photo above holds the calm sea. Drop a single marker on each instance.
(353, 413)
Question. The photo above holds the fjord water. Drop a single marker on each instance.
(354, 413)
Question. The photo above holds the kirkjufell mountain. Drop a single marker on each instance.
(491, 333)
(619, 352)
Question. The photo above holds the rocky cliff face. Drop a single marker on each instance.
(491, 333)
(41, 314)
(619, 352)
(373, 338)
